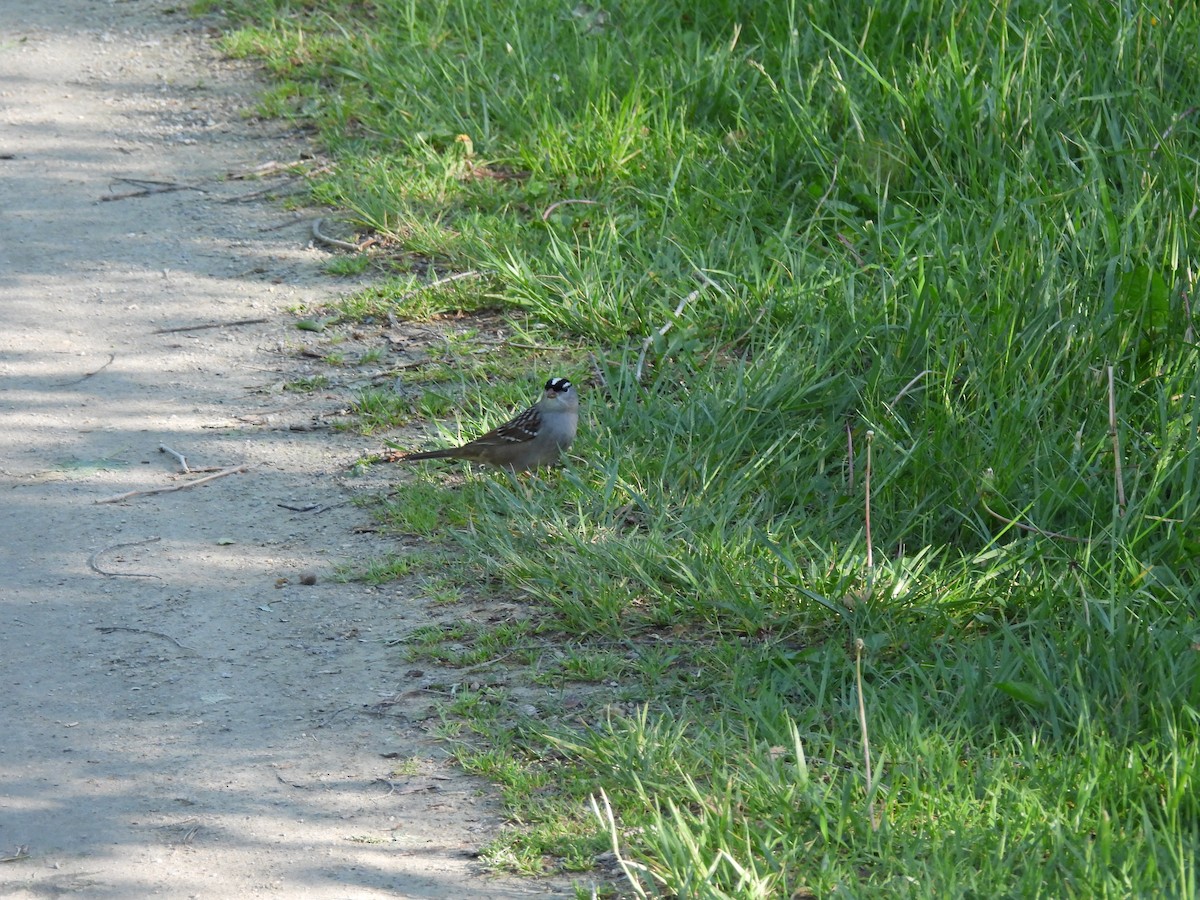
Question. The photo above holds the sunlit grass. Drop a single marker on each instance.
(765, 238)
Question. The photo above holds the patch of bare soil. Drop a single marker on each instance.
(182, 715)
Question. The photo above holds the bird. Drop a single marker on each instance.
(536, 437)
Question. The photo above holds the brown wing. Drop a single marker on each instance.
(515, 431)
(511, 434)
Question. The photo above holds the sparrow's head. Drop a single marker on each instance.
(561, 393)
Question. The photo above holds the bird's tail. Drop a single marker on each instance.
(430, 454)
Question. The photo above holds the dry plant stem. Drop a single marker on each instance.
(22, 852)
(264, 170)
(109, 629)
(1116, 439)
(1188, 333)
(276, 190)
(553, 206)
(1087, 607)
(705, 282)
(297, 168)
(209, 325)
(95, 566)
(598, 374)
(862, 721)
(332, 242)
(1030, 528)
(236, 470)
(154, 182)
(150, 187)
(506, 342)
(850, 458)
(287, 223)
(833, 179)
(1166, 134)
(457, 276)
(82, 378)
(845, 241)
(483, 665)
(904, 390)
(867, 509)
(163, 448)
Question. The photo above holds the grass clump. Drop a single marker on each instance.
(960, 238)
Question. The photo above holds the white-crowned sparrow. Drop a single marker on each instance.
(536, 437)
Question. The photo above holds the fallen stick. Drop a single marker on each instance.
(148, 187)
(295, 220)
(236, 470)
(95, 567)
(209, 325)
(277, 190)
(322, 238)
(163, 448)
(111, 357)
(553, 206)
(267, 169)
(705, 281)
(109, 629)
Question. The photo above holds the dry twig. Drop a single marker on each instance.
(598, 373)
(210, 325)
(1116, 440)
(867, 506)
(286, 223)
(908, 387)
(267, 169)
(148, 187)
(1030, 528)
(22, 852)
(163, 448)
(1188, 333)
(322, 238)
(849, 458)
(705, 282)
(95, 567)
(1166, 134)
(273, 190)
(109, 629)
(111, 357)
(553, 206)
(235, 470)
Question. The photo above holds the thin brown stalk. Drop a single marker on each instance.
(1013, 523)
(1116, 439)
(849, 458)
(867, 509)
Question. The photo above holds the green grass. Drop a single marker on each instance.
(923, 231)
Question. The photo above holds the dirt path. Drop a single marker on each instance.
(197, 731)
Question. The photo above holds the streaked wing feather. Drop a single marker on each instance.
(520, 429)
